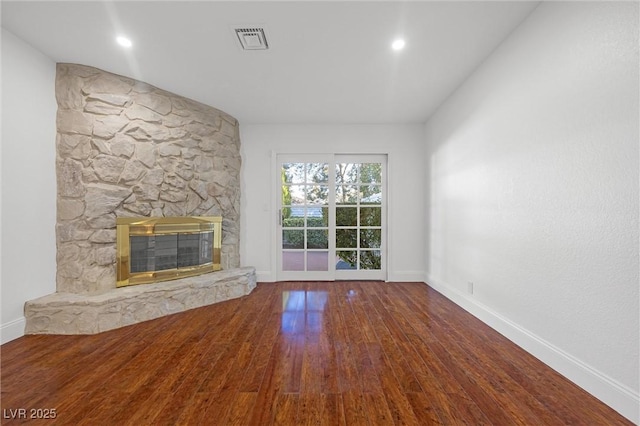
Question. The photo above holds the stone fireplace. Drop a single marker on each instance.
(126, 149)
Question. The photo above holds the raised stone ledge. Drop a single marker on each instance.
(69, 313)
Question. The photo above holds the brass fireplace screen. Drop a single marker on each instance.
(153, 249)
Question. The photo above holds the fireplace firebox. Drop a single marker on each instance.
(153, 249)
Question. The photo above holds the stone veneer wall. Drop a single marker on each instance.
(125, 148)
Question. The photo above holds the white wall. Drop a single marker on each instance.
(28, 181)
(533, 194)
(402, 143)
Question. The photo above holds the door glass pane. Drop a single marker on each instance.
(370, 259)
(290, 219)
(297, 212)
(292, 260)
(317, 216)
(317, 239)
(317, 194)
(346, 259)
(370, 216)
(292, 239)
(317, 261)
(296, 195)
(347, 194)
(286, 195)
(293, 173)
(370, 194)
(346, 216)
(346, 238)
(371, 173)
(346, 173)
(370, 238)
(317, 172)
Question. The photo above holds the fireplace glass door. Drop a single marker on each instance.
(331, 217)
(162, 252)
(152, 249)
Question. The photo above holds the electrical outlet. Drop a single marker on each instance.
(470, 287)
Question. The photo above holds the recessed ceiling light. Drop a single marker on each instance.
(123, 41)
(398, 44)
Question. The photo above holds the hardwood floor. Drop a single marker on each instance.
(350, 353)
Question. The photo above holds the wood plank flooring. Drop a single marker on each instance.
(295, 353)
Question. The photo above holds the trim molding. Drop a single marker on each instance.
(618, 396)
(265, 277)
(12, 330)
(402, 276)
(406, 276)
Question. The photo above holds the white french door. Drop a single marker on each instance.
(331, 217)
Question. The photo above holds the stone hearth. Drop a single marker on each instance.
(68, 313)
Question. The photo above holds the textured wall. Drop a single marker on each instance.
(125, 148)
(533, 191)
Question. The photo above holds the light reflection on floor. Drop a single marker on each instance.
(351, 294)
(302, 311)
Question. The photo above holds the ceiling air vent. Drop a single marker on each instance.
(252, 38)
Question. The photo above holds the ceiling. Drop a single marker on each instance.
(327, 62)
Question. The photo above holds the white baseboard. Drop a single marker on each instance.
(403, 276)
(265, 277)
(12, 330)
(406, 276)
(621, 398)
